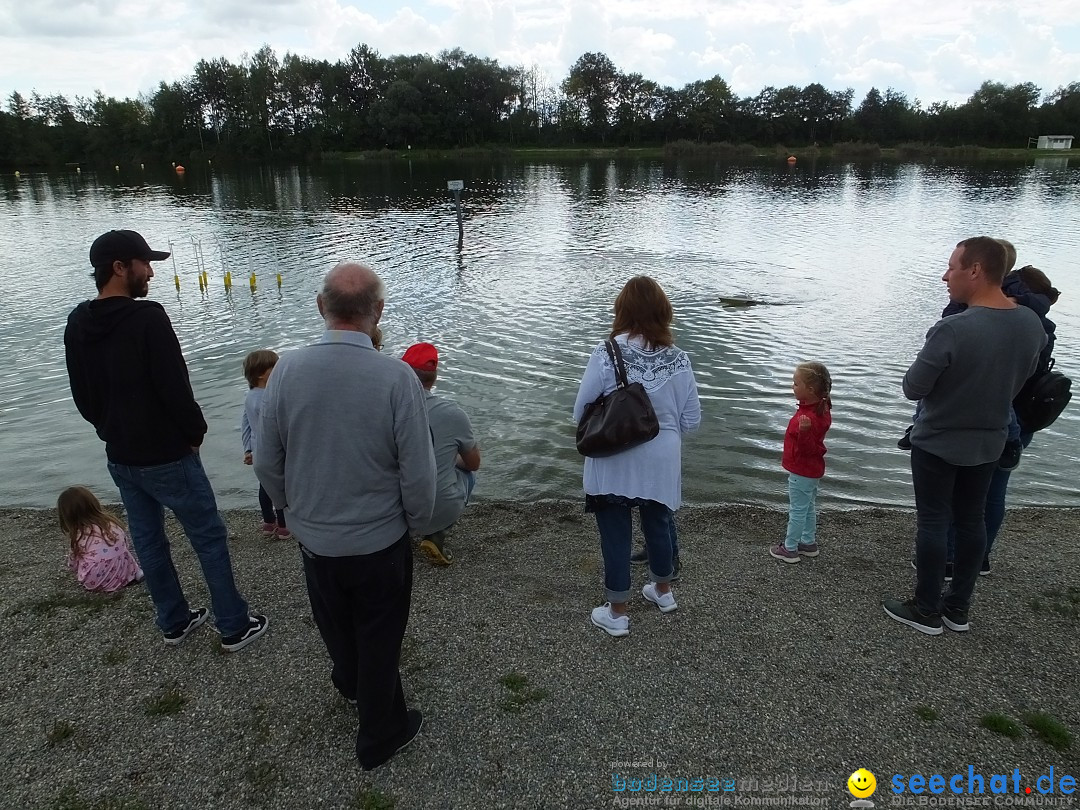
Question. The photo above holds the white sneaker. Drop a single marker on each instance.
(611, 624)
(664, 601)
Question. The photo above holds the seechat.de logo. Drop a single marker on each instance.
(861, 785)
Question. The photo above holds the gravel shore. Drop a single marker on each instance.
(768, 677)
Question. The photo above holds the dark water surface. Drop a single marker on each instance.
(849, 259)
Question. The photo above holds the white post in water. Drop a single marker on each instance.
(456, 186)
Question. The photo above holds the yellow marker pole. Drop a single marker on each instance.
(251, 282)
(279, 280)
(228, 280)
(176, 275)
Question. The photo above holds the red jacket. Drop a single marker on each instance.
(804, 453)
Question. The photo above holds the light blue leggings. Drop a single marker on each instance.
(802, 511)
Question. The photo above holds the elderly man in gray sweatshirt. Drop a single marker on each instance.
(967, 374)
(345, 448)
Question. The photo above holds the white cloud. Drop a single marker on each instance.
(929, 49)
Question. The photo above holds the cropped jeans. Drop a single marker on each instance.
(183, 487)
(616, 526)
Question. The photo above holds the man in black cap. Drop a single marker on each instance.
(129, 380)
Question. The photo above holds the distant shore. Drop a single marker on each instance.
(735, 152)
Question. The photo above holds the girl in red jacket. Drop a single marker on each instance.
(804, 459)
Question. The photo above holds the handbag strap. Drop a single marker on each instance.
(615, 353)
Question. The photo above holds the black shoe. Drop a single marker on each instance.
(195, 619)
(984, 569)
(948, 569)
(1010, 456)
(905, 440)
(640, 557)
(908, 613)
(955, 620)
(414, 721)
(257, 625)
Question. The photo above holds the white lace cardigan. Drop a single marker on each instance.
(652, 470)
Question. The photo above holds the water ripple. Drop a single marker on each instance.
(847, 261)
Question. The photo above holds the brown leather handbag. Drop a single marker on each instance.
(620, 420)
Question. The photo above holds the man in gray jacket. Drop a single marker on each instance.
(344, 447)
(967, 374)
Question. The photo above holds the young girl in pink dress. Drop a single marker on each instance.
(100, 553)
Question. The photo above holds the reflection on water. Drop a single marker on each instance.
(847, 258)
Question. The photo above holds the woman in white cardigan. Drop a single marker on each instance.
(648, 476)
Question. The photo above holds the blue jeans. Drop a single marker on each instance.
(616, 535)
(948, 494)
(674, 539)
(802, 511)
(183, 487)
(995, 505)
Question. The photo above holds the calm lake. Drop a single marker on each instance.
(848, 258)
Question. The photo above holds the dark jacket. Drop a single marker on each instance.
(1014, 287)
(129, 380)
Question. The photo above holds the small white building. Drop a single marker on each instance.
(1055, 142)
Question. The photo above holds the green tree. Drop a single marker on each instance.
(638, 104)
(709, 108)
(1060, 112)
(1000, 115)
(175, 120)
(593, 86)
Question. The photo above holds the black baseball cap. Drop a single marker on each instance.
(122, 246)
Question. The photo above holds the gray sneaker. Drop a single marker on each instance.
(908, 613)
(955, 620)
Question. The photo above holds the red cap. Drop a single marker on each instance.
(422, 356)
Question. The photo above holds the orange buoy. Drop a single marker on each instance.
(791, 159)
(180, 170)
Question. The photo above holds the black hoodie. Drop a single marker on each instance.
(129, 380)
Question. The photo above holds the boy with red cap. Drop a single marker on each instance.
(456, 455)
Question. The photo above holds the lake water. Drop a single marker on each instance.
(848, 257)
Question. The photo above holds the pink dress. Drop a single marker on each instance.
(104, 567)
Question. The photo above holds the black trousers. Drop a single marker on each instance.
(361, 607)
(948, 494)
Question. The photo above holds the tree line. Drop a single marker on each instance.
(297, 108)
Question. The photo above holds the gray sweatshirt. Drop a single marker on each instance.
(967, 373)
(344, 446)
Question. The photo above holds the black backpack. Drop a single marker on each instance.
(1042, 399)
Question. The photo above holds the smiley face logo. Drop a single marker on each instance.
(861, 783)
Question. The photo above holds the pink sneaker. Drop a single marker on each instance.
(282, 533)
(268, 529)
(781, 553)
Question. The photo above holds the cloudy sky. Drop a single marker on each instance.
(930, 49)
